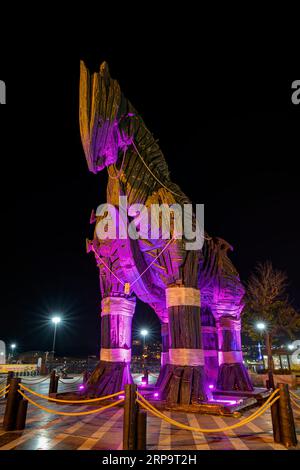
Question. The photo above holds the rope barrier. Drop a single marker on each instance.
(188, 428)
(5, 388)
(294, 395)
(70, 383)
(295, 403)
(32, 382)
(145, 404)
(65, 413)
(92, 400)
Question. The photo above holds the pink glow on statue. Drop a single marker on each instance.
(110, 140)
(228, 402)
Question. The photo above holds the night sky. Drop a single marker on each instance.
(231, 143)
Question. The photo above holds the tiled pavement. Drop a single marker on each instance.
(104, 431)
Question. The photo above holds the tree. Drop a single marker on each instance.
(266, 301)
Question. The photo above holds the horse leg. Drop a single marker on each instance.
(210, 345)
(113, 370)
(233, 374)
(184, 379)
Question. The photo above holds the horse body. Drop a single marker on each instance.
(200, 345)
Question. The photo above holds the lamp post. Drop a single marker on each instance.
(144, 333)
(262, 327)
(12, 347)
(55, 320)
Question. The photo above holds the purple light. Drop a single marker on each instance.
(211, 387)
(143, 384)
(229, 402)
(156, 395)
(81, 387)
(121, 397)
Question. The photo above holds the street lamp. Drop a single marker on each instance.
(144, 333)
(55, 320)
(13, 347)
(262, 327)
(291, 347)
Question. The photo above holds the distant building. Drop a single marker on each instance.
(2, 352)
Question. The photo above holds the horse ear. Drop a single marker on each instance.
(85, 109)
(104, 71)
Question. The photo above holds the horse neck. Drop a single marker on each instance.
(136, 180)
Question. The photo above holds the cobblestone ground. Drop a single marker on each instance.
(46, 431)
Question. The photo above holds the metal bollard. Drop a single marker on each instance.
(130, 418)
(141, 430)
(12, 405)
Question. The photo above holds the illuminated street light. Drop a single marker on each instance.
(262, 327)
(144, 333)
(55, 320)
(12, 347)
(291, 347)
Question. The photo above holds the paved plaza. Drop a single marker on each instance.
(103, 431)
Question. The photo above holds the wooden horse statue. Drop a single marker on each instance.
(201, 338)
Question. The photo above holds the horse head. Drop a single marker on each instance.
(102, 113)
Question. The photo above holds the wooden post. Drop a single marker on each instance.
(141, 430)
(53, 382)
(130, 418)
(21, 416)
(10, 375)
(12, 405)
(276, 422)
(286, 418)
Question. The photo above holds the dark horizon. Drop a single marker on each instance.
(232, 148)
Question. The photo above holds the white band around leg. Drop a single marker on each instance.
(117, 306)
(176, 296)
(115, 355)
(186, 357)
